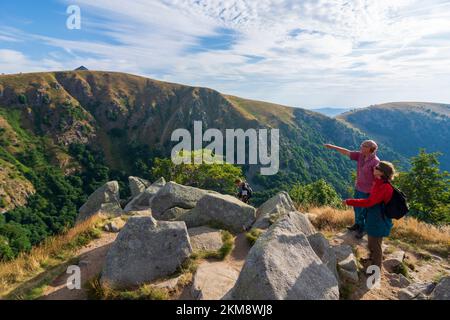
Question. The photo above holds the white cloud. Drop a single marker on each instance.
(287, 51)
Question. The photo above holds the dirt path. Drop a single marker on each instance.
(423, 271)
(91, 261)
(235, 261)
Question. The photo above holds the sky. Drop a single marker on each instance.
(309, 54)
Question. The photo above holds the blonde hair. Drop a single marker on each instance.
(387, 169)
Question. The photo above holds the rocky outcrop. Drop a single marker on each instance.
(173, 195)
(224, 210)
(105, 199)
(142, 200)
(283, 265)
(205, 239)
(137, 185)
(273, 209)
(145, 250)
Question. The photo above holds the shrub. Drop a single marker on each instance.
(253, 235)
(315, 194)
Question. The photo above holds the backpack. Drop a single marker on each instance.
(249, 189)
(397, 207)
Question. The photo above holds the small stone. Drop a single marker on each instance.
(393, 260)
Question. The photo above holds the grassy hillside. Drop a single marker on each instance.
(406, 127)
(63, 134)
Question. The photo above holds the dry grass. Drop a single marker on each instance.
(331, 219)
(419, 233)
(50, 253)
(409, 229)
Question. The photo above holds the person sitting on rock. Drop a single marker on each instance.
(377, 224)
(366, 160)
(244, 190)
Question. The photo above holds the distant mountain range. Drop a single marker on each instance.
(331, 112)
(406, 127)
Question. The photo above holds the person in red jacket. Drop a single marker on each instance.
(377, 225)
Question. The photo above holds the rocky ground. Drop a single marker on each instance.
(289, 260)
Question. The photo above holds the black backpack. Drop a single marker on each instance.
(247, 187)
(397, 207)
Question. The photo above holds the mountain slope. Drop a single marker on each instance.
(406, 127)
(129, 120)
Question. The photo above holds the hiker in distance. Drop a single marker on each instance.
(378, 225)
(367, 160)
(244, 190)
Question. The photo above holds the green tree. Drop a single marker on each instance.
(427, 188)
(315, 194)
(6, 252)
(213, 175)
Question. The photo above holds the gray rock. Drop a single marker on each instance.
(351, 276)
(137, 185)
(175, 195)
(142, 200)
(416, 291)
(393, 260)
(213, 280)
(146, 250)
(226, 210)
(324, 251)
(282, 265)
(105, 199)
(273, 209)
(173, 214)
(348, 266)
(146, 212)
(442, 290)
(205, 239)
(343, 251)
(398, 280)
(115, 225)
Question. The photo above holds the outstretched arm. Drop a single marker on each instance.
(343, 151)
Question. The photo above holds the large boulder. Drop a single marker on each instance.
(205, 239)
(224, 210)
(324, 251)
(273, 209)
(282, 265)
(105, 199)
(173, 195)
(142, 200)
(137, 185)
(145, 250)
(442, 290)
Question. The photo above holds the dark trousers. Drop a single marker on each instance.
(376, 251)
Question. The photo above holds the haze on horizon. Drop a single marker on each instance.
(306, 53)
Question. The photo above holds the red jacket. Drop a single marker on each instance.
(380, 191)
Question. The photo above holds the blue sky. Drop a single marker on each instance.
(309, 53)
